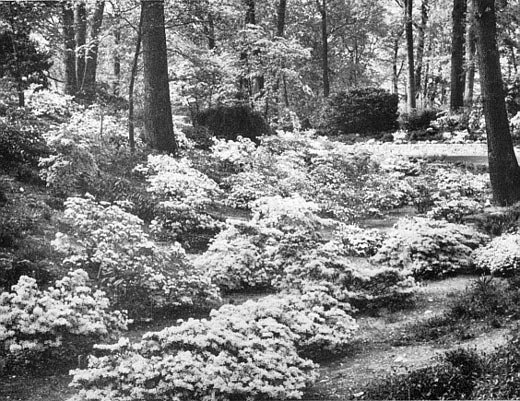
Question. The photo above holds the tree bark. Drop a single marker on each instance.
(280, 22)
(322, 8)
(157, 105)
(80, 36)
(117, 60)
(133, 73)
(69, 50)
(457, 55)
(420, 45)
(411, 102)
(91, 54)
(250, 12)
(469, 81)
(503, 166)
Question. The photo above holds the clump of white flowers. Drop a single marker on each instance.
(136, 272)
(430, 248)
(184, 196)
(60, 322)
(501, 256)
(255, 350)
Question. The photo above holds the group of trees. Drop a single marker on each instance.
(275, 55)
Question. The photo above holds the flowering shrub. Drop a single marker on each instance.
(455, 210)
(71, 169)
(242, 352)
(63, 321)
(429, 248)
(43, 102)
(364, 286)
(234, 155)
(136, 272)
(359, 241)
(322, 324)
(515, 126)
(236, 257)
(184, 195)
(454, 183)
(501, 256)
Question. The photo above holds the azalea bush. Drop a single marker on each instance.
(236, 257)
(61, 322)
(244, 351)
(137, 273)
(184, 196)
(233, 155)
(365, 286)
(44, 102)
(501, 256)
(359, 241)
(455, 210)
(430, 248)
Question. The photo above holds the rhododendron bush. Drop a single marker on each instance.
(61, 322)
(430, 248)
(136, 272)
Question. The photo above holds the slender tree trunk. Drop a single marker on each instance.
(133, 74)
(420, 45)
(157, 105)
(457, 55)
(469, 81)
(69, 51)
(503, 167)
(89, 80)
(250, 12)
(412, 105)
(211, 33)
(80, 36)
(117, 61)
(280, 22)
(322, 8)
(396, 71)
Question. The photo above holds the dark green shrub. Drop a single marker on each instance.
(229, 122)
(501, 375)
(19, 146)
(417, 120)
(363, 111)
(453, 378)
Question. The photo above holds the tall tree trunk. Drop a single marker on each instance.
(117, 61)
(69, 50)
(133, 73)
(322, 8)
(89, 80)
(210, 32)
(396, 71)
(280, 22)
(80, 36)
(420, 45)
(409, 48)
(457, 55)
(469, 81)
(250, 12)
(157, 105)
(503, 167)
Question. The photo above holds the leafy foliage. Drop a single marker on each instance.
(430, 248)
(60, 322)
(229, 122)
(368, 110)
(137, 274)
(501, 256)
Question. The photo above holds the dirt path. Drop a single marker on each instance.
(374, 356)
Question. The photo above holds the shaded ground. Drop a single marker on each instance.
(377, 352)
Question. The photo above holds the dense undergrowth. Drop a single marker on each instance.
(88, 229)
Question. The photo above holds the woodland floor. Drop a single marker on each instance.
(377, 350)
